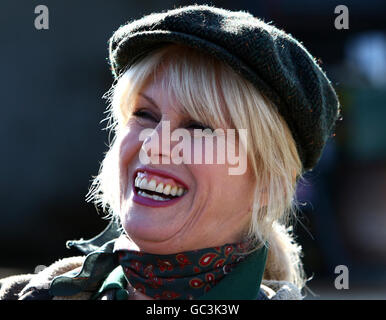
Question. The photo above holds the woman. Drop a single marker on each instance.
(187, 224)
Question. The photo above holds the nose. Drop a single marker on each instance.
(155, 148)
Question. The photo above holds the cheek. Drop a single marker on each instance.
(225, 191)
(128, 145)
(219, 174)
(214, 185)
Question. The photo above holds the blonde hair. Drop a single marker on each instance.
(212, 92)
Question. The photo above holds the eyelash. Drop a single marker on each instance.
(191, 124)
(143, 114)
(199, 125)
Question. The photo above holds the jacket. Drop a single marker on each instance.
(97, 275)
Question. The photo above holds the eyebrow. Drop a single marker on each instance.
(149, 99)
(184, 113)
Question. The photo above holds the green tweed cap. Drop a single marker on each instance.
(272, 60)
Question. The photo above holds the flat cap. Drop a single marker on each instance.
(272, 60)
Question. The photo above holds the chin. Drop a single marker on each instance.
(151, 227)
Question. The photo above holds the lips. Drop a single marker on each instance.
(156, 188)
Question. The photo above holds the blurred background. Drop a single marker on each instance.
(52, 82)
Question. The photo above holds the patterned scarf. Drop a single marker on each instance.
(182, 276)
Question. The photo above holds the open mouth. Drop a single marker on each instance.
(157, 187)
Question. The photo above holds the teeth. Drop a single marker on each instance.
(152, 184)
(160, 188)
(180, 191)
(167, 189)
(173, 192)
(142, 183)
(154, 197)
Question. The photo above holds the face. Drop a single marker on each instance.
(204, 205)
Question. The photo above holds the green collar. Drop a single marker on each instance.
(244, 280)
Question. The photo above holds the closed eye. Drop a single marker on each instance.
(144, 114)
(198, 125)
(141, 113)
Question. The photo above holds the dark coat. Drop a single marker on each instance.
(36, 286)
(81, 277)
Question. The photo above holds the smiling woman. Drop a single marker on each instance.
(185, 222)
(190, 229)
(217, 96)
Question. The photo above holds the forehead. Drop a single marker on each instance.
(157, 93)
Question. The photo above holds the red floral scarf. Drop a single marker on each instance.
(182, 276)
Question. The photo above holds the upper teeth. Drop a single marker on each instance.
(151, 185)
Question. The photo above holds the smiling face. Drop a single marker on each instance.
(213, 206)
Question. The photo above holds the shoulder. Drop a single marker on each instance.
(10, 287)
(280, 290)
(36, 286)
